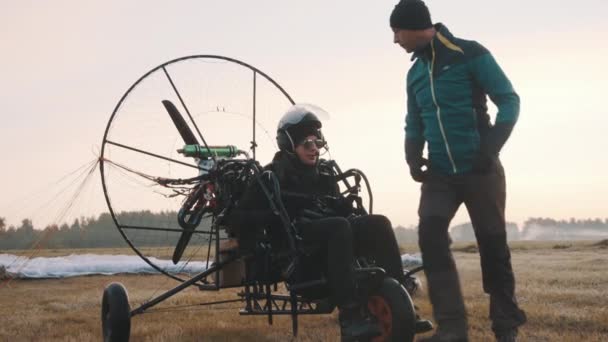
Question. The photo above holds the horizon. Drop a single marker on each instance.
(530, 221)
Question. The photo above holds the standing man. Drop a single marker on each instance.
(446, 109)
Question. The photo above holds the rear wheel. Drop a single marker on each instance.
(115, 314)
(392, 307)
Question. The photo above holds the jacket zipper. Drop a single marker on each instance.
(445, 139)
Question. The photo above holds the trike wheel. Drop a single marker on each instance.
(115, 314)
(392, 307)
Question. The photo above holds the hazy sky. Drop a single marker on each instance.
(65, 65)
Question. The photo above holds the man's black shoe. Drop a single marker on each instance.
(507, 336)
(443, 337)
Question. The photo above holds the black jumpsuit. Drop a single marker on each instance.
(339, 239)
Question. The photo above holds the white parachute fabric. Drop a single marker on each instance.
(89, 264)
(411, 261)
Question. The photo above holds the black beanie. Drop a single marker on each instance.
(411, 15)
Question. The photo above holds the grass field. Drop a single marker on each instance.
(562, 286)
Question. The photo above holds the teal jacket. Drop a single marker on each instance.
(446, 101)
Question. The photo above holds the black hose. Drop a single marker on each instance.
(367, 186)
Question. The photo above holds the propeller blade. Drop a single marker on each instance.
(188, 220)
(184, 239)
(180, 123)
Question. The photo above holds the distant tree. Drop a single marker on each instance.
(512, 231)
(26, 226)
(53, 236)
(52, 228)
(19, 238)
(75, 225)
(2, 225)
(597, 223)
(406, 235)
(462, 232)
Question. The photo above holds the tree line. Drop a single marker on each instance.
(534, 228)
(540, 228)
(101, 232)
(91, 232)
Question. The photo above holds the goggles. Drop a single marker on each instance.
(309, 143)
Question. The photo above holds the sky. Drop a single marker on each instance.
(65, 65)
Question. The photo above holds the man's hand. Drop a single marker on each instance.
(414, 159)
(490, 147)
(416, 170)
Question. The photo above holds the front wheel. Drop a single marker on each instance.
(392, 307)
(115, 314)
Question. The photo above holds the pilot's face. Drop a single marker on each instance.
(308, 151)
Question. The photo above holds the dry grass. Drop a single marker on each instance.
(564, 291)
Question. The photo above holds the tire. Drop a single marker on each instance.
(392, 307)
(115, 314)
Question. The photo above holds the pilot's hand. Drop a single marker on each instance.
(309, 215)
(340, 205)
